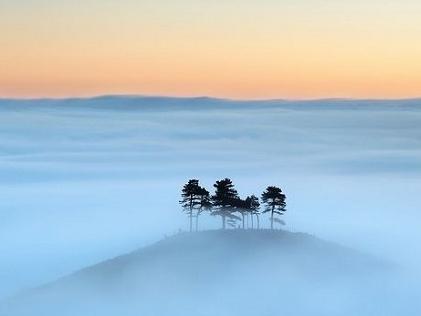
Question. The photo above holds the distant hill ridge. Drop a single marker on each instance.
(156, 103)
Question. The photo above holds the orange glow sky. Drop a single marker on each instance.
(222, 48)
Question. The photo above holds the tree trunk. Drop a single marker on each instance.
(191, 212)
(197, 222)
(223, 222)
(252, 223)
(258, 221)
(243, 219)
(271, 218)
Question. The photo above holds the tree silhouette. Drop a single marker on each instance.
(204, 203)
(274, 201)
(224, 201)
(252, 207)
(241, 206)
(190, 199)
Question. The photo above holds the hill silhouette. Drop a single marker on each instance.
(201, 274)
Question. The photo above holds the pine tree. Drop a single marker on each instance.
(252, 206)
(274, 200)
(224, 200)
(204, 203)
(241, 206)
(190, 199)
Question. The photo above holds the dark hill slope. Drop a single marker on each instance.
(209, 273)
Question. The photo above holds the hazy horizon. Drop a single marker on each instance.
(200, 96)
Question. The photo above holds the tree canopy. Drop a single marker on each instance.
(229, 206)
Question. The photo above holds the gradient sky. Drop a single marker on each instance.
(224, 48)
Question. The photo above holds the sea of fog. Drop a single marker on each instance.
(85, 180)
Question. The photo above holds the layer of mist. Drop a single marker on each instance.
(84, 180)
(226, 273)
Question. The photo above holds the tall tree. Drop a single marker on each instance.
(241, 206)
(274, 200)
(252, 206)
(224, 201)
(204, 203)
(190, 199)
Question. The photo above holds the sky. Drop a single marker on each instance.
(231, 48)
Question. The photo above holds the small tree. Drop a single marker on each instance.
(274, 201)
(224, 200)
(190, 199)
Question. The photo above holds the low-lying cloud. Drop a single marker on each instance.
(85, 180)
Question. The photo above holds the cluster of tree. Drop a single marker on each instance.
(227, 204)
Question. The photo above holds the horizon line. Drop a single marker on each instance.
(192, 97)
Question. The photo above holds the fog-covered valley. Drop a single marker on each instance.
(83, 181)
